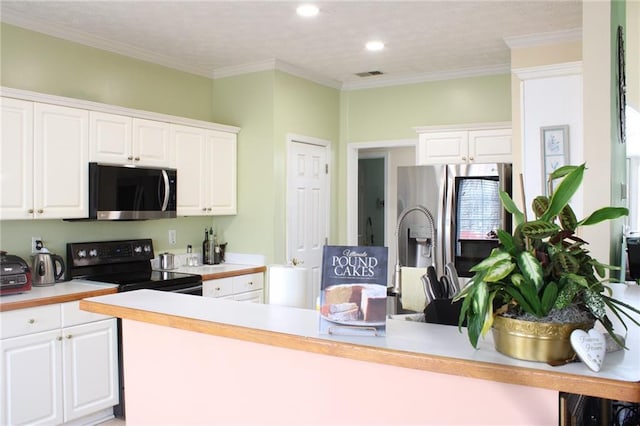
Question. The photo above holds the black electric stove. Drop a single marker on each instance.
(128, 264)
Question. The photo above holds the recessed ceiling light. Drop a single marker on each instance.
(307, 10)
(375, 45)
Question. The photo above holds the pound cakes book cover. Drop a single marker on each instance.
(353, 290)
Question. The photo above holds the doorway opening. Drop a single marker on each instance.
(371, 201)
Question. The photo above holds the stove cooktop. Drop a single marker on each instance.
(126, 263)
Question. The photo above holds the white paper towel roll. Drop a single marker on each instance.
(288, 286)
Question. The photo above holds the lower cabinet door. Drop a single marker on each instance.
(91, 368)
(31, 379)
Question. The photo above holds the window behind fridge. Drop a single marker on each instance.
(478, 216)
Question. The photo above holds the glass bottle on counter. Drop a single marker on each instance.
(207, 258)
(216, 251)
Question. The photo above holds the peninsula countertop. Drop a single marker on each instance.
(428, 347)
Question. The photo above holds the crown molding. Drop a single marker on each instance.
(466, 126)
(547, 71)
(85, 39)
(275, 64)
(384, 81)
(541, 39)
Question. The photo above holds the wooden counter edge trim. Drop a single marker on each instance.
(62, 298)
(234, 273)
(564, 382)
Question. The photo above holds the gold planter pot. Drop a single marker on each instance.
(535, 341)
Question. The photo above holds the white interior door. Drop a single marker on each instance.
(308, 208)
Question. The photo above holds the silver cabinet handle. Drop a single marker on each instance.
(31, 321)
(40, 211)
(69, 336)
(130, 158)
(137, 159)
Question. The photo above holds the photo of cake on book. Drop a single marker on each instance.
(353, 296)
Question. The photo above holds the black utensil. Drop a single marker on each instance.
(434, 282)
(446, 287)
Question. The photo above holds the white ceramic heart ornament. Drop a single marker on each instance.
(590, 347)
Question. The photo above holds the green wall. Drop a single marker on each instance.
(36, 62)
(392, 112)
(268, 105)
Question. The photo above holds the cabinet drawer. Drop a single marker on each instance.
(72, 315)
(217, 288)
(248, 282)
(30, 320)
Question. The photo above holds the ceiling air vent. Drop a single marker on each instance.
(369, 73)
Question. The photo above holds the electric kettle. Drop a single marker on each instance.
(45, 271)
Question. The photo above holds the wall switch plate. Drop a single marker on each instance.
(172, 237)
(36, 244)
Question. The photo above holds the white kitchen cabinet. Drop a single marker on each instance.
(16, 159)
(465, 146)
(32, 379)
(223, 191)
(58, 364)
(243, 288)
(119, 139)
(206, 164)
(90, 366)
(44, 161)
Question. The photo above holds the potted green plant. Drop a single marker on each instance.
(541, 282)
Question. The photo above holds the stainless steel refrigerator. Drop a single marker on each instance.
(450, 213)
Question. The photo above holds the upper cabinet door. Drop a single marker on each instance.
(16, 160)
(443, 148)
(151, 143)
(465, 147)
(110, 140)
(223, 194)
(118, 139)
(490, 146)
(193, 170)
(61, 154)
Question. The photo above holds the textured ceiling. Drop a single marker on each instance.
(215, 38)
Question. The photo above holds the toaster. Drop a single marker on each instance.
(15, 275)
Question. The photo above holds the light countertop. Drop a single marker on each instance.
(223, 270)
(408, 344)
(61, 292)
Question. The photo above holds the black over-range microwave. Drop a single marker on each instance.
(131, 193)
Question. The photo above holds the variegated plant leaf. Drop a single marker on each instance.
(499, 270)
(496, 255)
(531, 269)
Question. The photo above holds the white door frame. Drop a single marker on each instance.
(353, 153)
(293, 138)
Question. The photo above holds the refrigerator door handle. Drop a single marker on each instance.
(448, 237)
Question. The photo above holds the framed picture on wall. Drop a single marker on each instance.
(555, 151)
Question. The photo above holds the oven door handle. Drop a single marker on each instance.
(189, 290)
